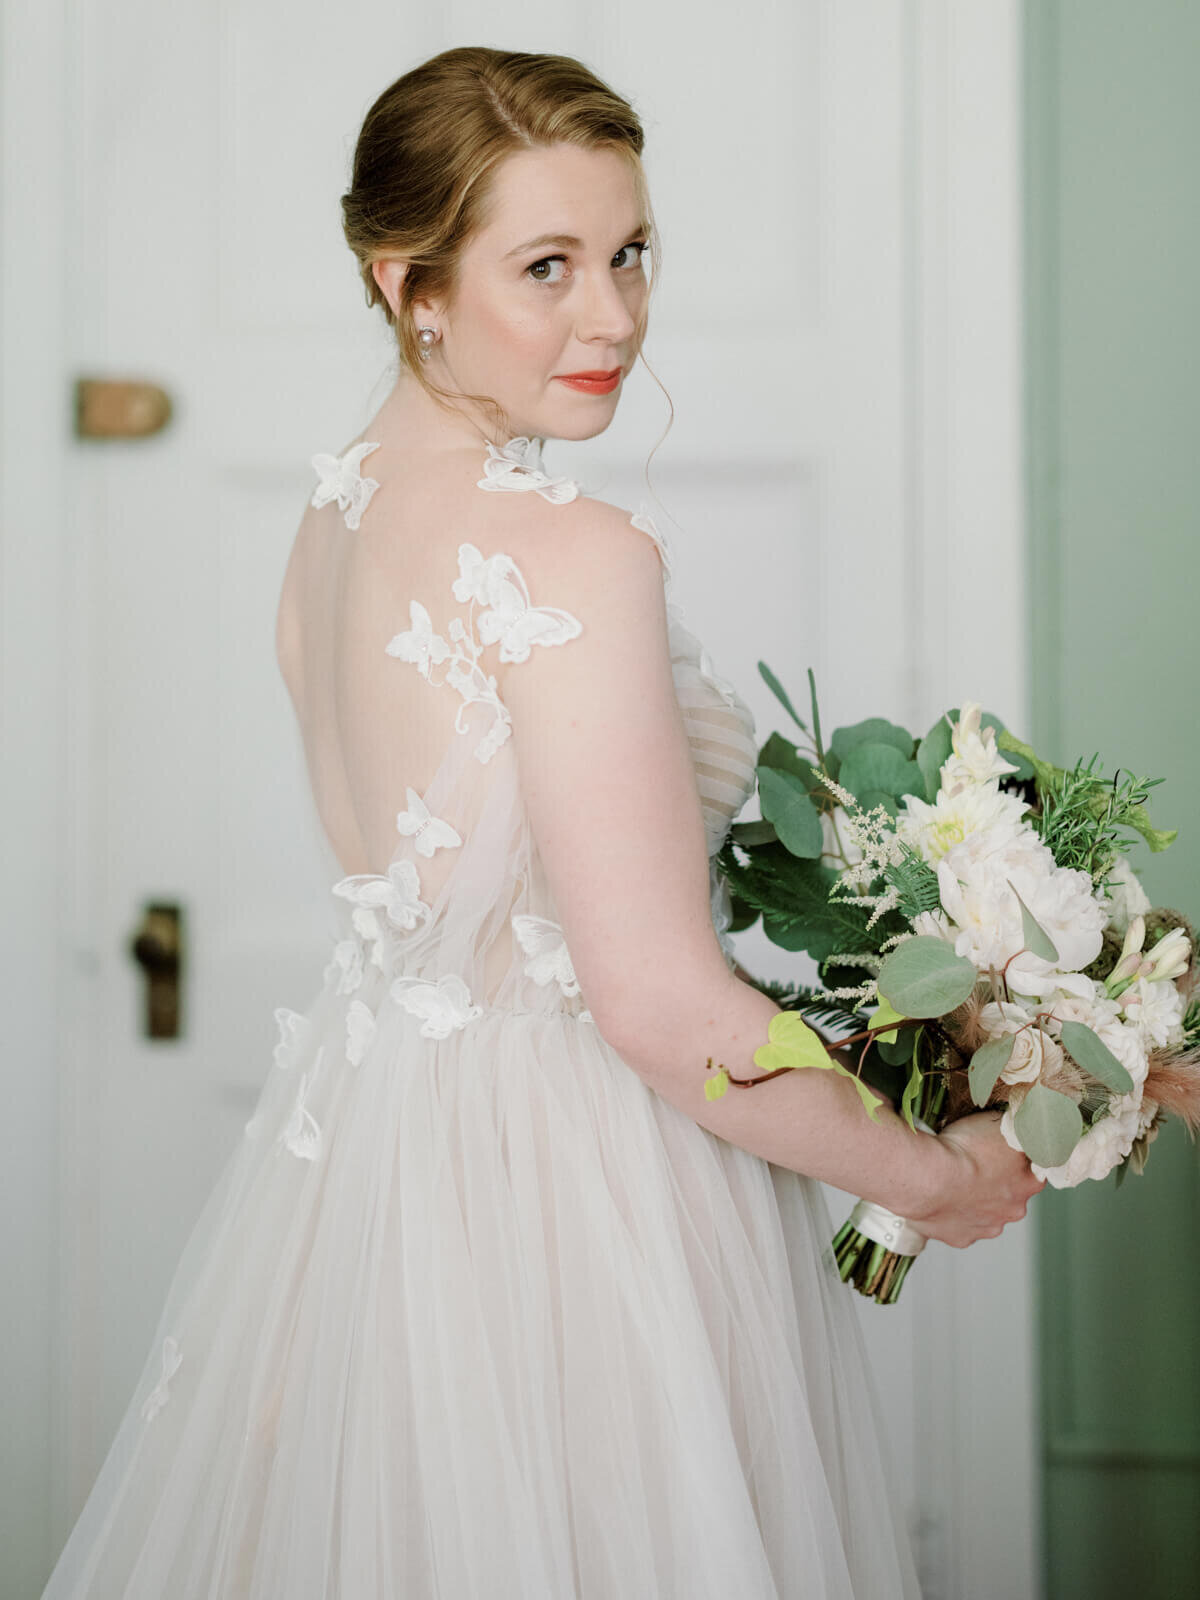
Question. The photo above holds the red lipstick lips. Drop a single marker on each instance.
(592, 382)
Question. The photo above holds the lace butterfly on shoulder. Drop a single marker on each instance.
(518, 465)
(342, 481)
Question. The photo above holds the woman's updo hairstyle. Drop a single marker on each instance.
(426, 152)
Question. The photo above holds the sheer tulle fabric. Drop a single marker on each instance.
(471, 1312)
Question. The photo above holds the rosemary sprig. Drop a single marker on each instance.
(1081, 812)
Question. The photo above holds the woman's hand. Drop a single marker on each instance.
(981, 1185)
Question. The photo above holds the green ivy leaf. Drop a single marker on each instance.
(988, 1062)
(1048, 1126)
(924, 977)
(885, 1011)
(716, 1086)
(1094, 1056)
(912, 1093)
(792, 1043)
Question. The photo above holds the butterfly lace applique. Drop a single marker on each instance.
(293, 1025)
(160, 1394)
(444, 1005)
(542, 940)
(397, 893)
(341, 481)
(643, 520)
(360, 1030)
(519, 466)
(347, 962)
(427, 832)
(301, 1133)
(506, 614)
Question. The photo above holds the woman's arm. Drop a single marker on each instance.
(808, 1119)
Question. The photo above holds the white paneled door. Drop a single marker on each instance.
(837, 326)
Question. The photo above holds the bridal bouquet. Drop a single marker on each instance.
(978, 929)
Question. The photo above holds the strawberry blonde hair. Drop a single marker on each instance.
(427, 153)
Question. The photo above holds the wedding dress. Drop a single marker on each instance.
(472, 1312)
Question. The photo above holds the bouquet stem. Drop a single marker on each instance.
(874, 1248)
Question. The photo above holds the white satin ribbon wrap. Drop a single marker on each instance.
(884, 1227)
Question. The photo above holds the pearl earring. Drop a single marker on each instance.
(427, 337)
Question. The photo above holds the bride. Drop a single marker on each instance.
(489, 1301)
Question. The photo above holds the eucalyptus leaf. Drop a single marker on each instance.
(1094, 1056)
(873, 765)
(816, 715)
(1048, 1126)
(870, 798)
(780, 693)
(873, 730)
(923, 977)
(753, 832)
(779, 752)
(786, 805)
(1035, 936)
(988, 1062)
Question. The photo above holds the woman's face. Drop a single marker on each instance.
(552, 285)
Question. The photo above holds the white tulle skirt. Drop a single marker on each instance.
(484, 1318)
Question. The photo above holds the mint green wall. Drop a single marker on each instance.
(1113, 356)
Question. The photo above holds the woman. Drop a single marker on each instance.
(491, 1301)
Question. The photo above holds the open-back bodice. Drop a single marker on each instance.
(460, 918)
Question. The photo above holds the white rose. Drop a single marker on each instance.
(1032, 1049)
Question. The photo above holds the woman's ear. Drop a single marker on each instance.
(389, 275)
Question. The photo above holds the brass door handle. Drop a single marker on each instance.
(157, 947)
(112, 408)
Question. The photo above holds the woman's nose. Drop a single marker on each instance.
(605, 314)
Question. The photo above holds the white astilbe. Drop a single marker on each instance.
(873, 834)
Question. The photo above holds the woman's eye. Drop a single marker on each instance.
(640, 245)
(545, 262)
(538, 276)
